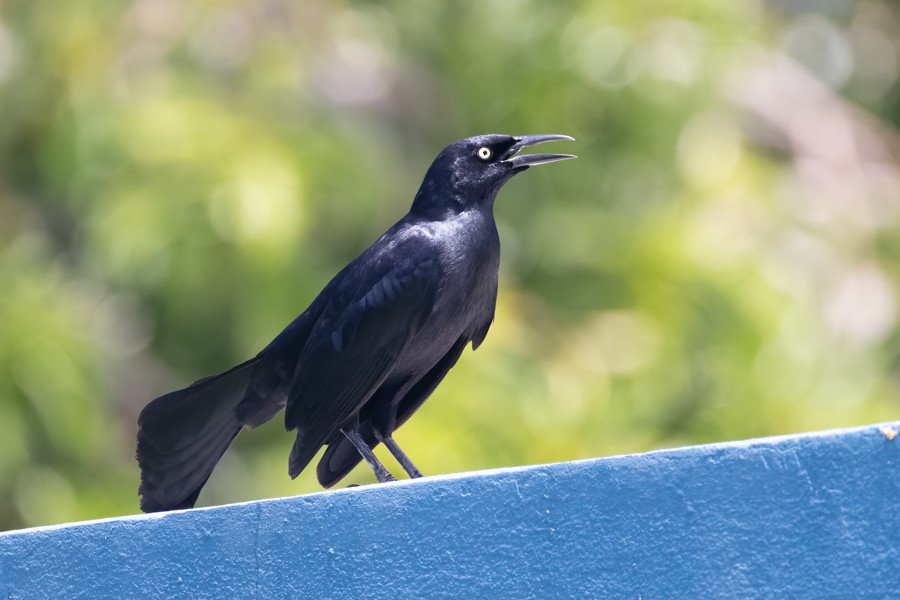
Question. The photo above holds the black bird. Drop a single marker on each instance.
(368, 351)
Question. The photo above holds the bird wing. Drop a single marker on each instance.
(342, 456)
(380, 302)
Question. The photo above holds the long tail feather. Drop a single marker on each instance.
(182, 436)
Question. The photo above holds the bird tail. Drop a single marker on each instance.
(341, 456)
(182, 435)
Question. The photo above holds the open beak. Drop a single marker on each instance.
(528, 160)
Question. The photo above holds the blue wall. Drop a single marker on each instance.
(813, 516)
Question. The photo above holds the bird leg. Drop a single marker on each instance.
(400, 455)
(362, 447)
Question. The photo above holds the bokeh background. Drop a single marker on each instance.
(179, 179)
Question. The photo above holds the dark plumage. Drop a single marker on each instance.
(368, 351)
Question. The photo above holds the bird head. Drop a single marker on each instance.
(470, 172)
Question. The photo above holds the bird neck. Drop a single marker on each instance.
(436, 201)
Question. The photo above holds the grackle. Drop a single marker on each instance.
(370, 348)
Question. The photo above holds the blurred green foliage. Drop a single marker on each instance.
(178, 180)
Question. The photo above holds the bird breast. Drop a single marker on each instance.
(469, 255)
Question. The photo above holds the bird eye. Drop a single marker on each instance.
(484, 153)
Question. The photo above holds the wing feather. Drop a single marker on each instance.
(374, 311)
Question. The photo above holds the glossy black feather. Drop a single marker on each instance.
(182, 436)
(369, 350)
(341, 457)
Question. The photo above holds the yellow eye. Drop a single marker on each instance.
(484, 153)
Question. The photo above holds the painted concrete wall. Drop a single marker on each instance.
(811, 516)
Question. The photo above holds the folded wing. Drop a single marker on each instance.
(356, 342)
